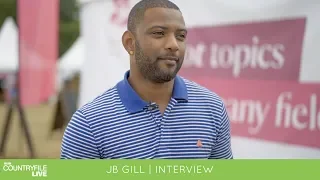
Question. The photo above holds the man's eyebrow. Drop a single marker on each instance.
(163, 27)
(157, 26)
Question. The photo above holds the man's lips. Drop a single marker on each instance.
(169, 58)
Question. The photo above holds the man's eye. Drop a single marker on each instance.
(158, 33)
(181, 37)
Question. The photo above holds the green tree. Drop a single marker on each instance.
(69, 24)
(7, 8)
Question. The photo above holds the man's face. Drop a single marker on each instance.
(160, 44)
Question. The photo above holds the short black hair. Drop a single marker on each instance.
(137, 12)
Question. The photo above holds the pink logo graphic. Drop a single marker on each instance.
(268, 50)
(286, 112)
(121, 12)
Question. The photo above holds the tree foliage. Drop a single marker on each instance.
(68, 26)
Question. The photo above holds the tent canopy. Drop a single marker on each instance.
(71, 62)
(8, 47)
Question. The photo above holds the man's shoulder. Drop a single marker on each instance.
(109, 99)
(198, 94)
(199, 91)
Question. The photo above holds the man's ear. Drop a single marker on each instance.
(128, 42)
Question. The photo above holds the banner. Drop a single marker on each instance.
(286, 112)
(260, 57)
(38, 49)
(255, 68)
(263, 50)
(165, 169)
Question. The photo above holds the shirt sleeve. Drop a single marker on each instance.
(222, 148)
(78, 141)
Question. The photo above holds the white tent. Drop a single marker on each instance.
(71, 62)
(8, 46)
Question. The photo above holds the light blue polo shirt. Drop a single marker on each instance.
(118, 124)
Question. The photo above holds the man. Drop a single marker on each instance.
(151, 113)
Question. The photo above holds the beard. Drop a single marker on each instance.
(151, 70)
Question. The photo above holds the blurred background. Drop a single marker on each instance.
(261, 57)
(62, 17)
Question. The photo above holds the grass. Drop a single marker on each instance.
(39, 119)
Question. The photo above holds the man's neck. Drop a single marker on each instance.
(150, 91)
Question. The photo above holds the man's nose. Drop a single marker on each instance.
(172, 44)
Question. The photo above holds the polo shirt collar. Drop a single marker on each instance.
(133, 102)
